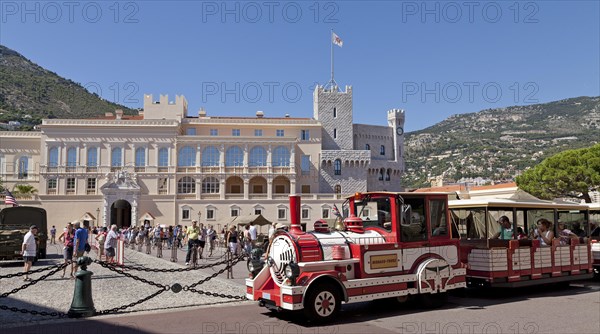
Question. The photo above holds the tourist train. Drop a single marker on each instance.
(413, 245)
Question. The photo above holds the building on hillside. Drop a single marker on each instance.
(166, 164)
(502, 190)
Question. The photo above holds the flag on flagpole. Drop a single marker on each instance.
(337, 40)
(9, 199)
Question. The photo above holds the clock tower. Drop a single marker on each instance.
(396, 122)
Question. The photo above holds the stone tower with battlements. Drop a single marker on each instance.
(333, 109)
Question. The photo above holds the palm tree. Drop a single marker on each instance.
(24, 190)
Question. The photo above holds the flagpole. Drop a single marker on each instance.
(331, 43)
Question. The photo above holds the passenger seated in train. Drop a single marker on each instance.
(544, 232)
(506, 232)
(595, 230)
(521, 234)
(565, 235)
(578, 230)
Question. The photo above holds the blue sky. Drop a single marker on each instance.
(433, 58)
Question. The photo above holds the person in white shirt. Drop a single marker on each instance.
(28, 250)
(272, 231)
(110, 244)
(253, 233)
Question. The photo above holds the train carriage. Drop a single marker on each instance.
(520, 262)
(595, 235)
(391, 245)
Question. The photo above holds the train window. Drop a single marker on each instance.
(414, 224)
(437, 212)
(375, 212)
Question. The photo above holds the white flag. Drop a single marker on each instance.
(337, 40)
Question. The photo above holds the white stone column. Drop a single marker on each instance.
(222, 159)
(293, 159)
(246, 188)
(293, 186)
(269, 159)
(134, 212)
(63, 155)
(222, 189)
(270, 187)
(246, 160)
(198, 157)
(83, 161)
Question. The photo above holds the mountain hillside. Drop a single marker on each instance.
(29, 93)
(497, 144)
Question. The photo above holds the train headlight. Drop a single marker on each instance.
(292, 270)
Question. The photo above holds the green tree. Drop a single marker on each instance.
(24, 190)
(572, 173)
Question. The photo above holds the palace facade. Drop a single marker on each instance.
(169, 167)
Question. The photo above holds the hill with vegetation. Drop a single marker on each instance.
(29, 93)
(499, 144)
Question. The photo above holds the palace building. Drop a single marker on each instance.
(171, 168)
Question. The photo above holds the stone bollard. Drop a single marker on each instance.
(159, 248)
(82, 304)
(174, 248)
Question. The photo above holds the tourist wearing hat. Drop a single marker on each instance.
(28, 250)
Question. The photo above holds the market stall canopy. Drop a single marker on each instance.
(258, 220)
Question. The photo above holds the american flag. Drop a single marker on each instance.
(9, 199)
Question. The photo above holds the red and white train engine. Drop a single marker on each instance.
(391, 245)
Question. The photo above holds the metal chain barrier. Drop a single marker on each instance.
(25, 286)
(165, 270)
(30, 272)
(119, 270)
(33, 312)
(35, 281)
(211, 294)
(121, 308)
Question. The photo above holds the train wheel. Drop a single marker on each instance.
(433, 300)
(322, 303)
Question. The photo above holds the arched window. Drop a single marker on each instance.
(258, 156)
(92, 157)
(186, 185)
(116, 157)
(338, 189)
(337, 167)
(381, 171)
(281, 156)
(367, 147)
(382, 150)
(187, 157)
(72, 157)
(234, 157)
(23, 167)
(211, 156)
(163, 157)
(210, 185)
(53, 157)
(140, 157)
(387, 175)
